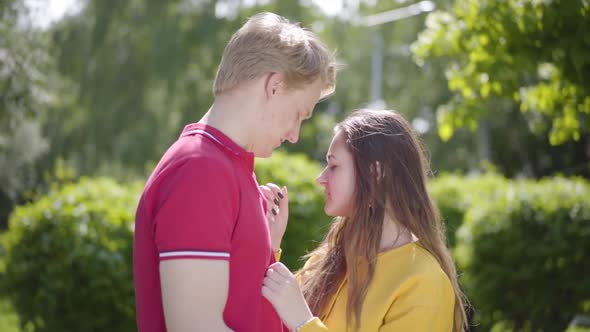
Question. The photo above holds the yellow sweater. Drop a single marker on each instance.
(409, 292)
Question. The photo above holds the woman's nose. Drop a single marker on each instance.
(321, 180)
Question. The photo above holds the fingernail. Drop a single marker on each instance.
(280, 195)
(273, 211)
(276, 201)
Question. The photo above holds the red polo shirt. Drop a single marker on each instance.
(203, 202)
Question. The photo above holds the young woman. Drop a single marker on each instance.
(383, 265)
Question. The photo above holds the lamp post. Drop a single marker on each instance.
(377, 102)
(376, 94)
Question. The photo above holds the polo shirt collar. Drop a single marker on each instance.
(221, 139)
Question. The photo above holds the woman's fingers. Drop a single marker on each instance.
(274, 196)
(268, 293)
(279, 194)
(268, 195)
(277, 212)
(275, 276)
(272, 202)
(271, 284)
(281, 269)
(283, 292)
(275, 189)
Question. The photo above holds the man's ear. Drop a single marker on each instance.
(272, 83)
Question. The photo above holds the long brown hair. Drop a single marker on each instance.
(391, 173)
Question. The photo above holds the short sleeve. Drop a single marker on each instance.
(197, 211)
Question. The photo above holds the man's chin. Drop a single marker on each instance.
(263, 154)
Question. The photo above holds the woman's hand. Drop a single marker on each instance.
(281, 289)
(277, 212)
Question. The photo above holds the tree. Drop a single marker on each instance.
(25, 68)
(142, 70)
(414, 91)
(525, 57)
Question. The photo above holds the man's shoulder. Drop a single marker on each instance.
(196, 154)
(191, 158)
(197, 147)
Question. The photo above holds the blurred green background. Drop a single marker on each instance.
(93, 92)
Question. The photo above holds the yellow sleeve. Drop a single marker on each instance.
(311, 260)
(420, 319)
(278, 254)
(314, 325)
(424, 304)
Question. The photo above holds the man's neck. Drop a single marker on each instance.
(232, 115)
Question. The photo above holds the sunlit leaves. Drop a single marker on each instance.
(501, 50)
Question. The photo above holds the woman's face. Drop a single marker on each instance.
(338, 178)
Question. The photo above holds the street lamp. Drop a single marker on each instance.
(483, 129)
(377, 56)
(398, 13)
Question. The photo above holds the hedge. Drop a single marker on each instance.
(525, 255)
(68, 259)
(455, 194)
(522, 248)
(68, 256)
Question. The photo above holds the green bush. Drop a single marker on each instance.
(522, 248)
(525, 255)
(455, 194)
(578, 329)
(68, 259)
(68, 256)
(307, 220)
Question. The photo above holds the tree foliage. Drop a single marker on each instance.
(144, 68)
(25, 67)
(109, 88)
(531, 54)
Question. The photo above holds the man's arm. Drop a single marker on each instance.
(193, 229)
(194, 292)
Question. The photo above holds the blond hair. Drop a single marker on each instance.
(270, 43)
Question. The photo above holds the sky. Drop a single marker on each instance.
(45, 12)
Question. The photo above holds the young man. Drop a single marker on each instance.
(202, 244)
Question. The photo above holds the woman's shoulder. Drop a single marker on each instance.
(412, 263)
(304, 271)
(411, 277)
